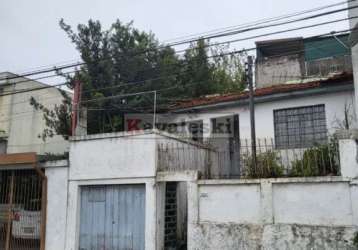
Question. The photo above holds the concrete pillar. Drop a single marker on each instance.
(193, 212)
(348, 153)
(266, 202)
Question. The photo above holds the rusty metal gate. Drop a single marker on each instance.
(22, 208)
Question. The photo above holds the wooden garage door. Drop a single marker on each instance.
(112, 217)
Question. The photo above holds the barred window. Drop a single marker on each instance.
(300, 127)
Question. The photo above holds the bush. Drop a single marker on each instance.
(267, 166)
(355, 240)
(320, 160)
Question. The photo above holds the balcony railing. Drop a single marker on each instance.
(325, 66)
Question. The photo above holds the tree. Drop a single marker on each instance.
(58, 120)
(124, 60)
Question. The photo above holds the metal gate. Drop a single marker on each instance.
(22, 221)
(112, 217)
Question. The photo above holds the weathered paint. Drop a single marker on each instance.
(210, 236)
(348, 153)
(112, 217)
(291, 213)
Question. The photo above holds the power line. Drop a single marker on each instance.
(143, 81)
(234, 32)
(262, 21)
(244, 25)
(221, 35)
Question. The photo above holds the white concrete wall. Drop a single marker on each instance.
(113, 156)
(116, 159)
(112, 159)
(292, 213)
(334, 106)
(213, 197)
(57, 187)
(22, 124)
(278, 70)
(326, 204)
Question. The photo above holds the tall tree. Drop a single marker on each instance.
(124, 60)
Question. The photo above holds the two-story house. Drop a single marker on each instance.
(20, 123)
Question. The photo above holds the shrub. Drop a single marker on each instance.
(355, 240)
(320, 160)
(267, 166)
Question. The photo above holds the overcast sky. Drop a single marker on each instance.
(31, 37)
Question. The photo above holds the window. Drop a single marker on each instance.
(196, 130)
(300, 127)
(3, 146)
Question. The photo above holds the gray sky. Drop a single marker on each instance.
(31, 37)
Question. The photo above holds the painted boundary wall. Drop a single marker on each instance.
(286, 213)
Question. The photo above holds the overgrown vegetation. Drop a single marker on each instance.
(320, 160)
(355, 240)
(267, 166)
(57, 120)
(124, 60)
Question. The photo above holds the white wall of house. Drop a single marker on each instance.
(334, 108)
(112, 159)
(296, 213)
(21, 124)
(109, 156)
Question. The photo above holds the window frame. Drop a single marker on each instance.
(282, 141)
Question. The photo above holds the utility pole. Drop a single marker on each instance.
(155, 109)
(249, 79)
(76, 107)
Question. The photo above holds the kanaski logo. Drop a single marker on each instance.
(133, 124)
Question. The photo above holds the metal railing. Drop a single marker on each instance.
(325, 66)
(272, 162)
(234, 159)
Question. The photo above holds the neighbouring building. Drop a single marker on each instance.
(293, 59)
(23, 179)
(21, 125)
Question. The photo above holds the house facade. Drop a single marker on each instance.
(21, 125)
(304, 94)
(167, 189)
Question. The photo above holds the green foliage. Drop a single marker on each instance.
(319, 160)
(267, 166)
(355, 240)
(120, 60)
(57, 120)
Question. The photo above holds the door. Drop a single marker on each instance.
(112, 217)
(225, 137)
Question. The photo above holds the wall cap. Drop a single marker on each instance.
(323, 179)
(347, 134)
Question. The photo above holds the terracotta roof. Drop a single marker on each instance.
(280, 88)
